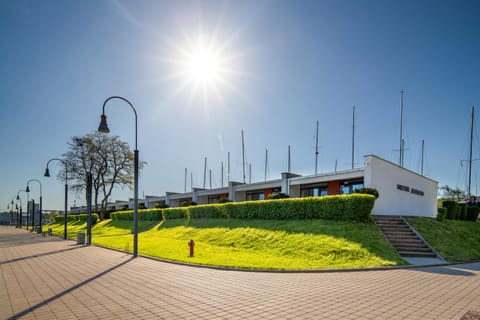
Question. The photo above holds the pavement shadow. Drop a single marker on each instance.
(38, 255)
(452, 270)
(67, 291)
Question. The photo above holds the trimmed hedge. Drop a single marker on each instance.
(452, 209)
(472, 213)
(342, 207)
(462, 211)
(441, 214)
(143, 214)
(77, 217)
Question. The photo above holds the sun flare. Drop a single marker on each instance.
(204, 67)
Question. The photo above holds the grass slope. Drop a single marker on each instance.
(307, 244)
(454, 240)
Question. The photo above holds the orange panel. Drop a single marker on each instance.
(267, 192)
(333, 187)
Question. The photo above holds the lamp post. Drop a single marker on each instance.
(27, 189)
(103, 127)
(47, 174)
(19, 218)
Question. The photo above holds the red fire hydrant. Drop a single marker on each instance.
(191, 244)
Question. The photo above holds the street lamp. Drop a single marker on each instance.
(103, 127)
(19, 218)
(47, 174)
(33, 212)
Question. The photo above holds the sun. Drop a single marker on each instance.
(204, 66)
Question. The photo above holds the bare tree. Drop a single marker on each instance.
(107, 158)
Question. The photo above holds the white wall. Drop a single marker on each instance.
(386, 176)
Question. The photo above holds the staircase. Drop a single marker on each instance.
(403, 238)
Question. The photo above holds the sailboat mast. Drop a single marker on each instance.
(423, 151)
(470, 155)
(353, 138)
(266, 164)
(401, 128)
(289, 163)
(316, 150)
(205, 173)
(185, 184)
(243, 157)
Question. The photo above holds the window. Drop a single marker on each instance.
(255, 195)
(348, 187)
(313, 191)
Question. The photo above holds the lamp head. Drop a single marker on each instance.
(18, 197)
(27, 189)
(103, 127)
(47, 173)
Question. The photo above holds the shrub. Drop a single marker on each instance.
(174, 213)
(441, 214)
(188, 204)
(452, 209)
(143, 214)
(277, 195)
(372, 191)
(344, 207)
(462, 211)
(472, 213)
(161, 205)
(224, 200)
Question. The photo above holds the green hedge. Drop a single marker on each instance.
(143, 214)
(472, 213)
(77, 217)
(342, 207)
(452, 209)
(462, 211)
(442, 214)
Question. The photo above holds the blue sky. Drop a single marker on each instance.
(289, 64)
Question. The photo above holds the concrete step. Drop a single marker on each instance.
(416, 254)
(402, 238)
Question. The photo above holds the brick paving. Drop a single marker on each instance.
(49, 278)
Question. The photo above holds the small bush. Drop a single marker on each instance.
(372, 191)
(441, 214)
(143, 214)
(277, 195)
(160, 205)
(462, 211)
(224, 200)
(175, 213)
(188, 204)
(452, 209)
(472, 213)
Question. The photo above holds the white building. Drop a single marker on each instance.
(402, 191)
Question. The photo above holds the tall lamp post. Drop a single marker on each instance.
(47, 174)
(19, 218)
(103, 127)
(27, 189)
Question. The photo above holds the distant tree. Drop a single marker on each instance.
(107, 158)
(452, 193)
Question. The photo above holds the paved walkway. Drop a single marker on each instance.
(49, 278)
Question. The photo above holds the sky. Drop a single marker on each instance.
(269, 68)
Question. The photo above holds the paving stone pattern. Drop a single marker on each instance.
(50, 278)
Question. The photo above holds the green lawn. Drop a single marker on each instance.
(454, 240)
(307, 244)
